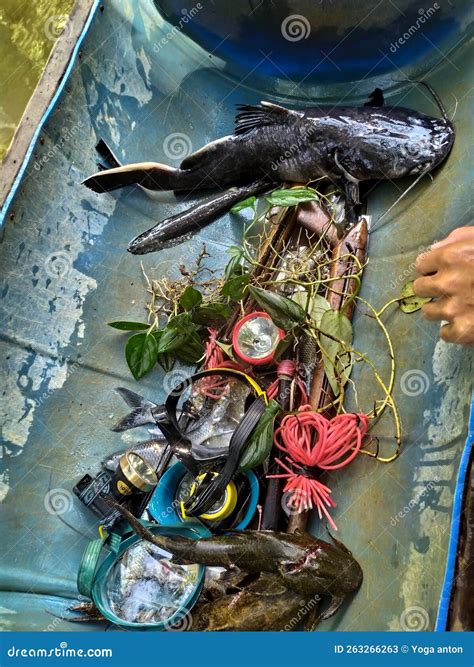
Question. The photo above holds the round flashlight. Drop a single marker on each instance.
(255, 338)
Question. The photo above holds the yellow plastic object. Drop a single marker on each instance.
(256, 388)
(223, 511)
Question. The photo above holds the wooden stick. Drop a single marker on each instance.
(355, 243)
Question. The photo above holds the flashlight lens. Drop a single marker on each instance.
(258, 338)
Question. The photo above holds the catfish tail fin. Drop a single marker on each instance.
(150, 175)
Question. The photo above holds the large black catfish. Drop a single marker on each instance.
(272, 144)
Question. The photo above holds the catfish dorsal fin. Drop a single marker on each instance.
(250, 116)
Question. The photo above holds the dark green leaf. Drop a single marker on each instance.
(284, 312)
(234, 265)
(211, 315)
(245, 203)
(190, 298)
(171, 340)
(337, 364)
(128, 326)
(291, 196)
(180, 339)
(141, 353)
(166, 361)
(261, 440)
(191, 351)
(234, 287)
(410, 302)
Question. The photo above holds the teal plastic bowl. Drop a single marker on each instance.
(102, 589)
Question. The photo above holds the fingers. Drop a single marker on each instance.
(428, 261)
(448, 282)
(461, 331)
(441, 309)
(459, 234)
(429, 286)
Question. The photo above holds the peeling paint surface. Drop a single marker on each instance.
(65, 273)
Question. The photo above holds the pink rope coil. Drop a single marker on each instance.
(310, 442)
(215, 387)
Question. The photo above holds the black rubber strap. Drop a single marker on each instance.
(209, 492)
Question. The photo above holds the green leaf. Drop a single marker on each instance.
(171, 340)
(123, 325)
(245, 203)
(190, 298)
(234, 287)
(234, 265)
(180, 339)
(212, 314)
(191, 352)
(261, 440)
(410, 302)
(316, 307)
(291, 196)
(337, 366)
(284, 312)
(165, 360)
(141, 353)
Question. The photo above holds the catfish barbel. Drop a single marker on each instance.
(272, 144)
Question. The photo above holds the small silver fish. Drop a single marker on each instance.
(210, 435)
(155, 451)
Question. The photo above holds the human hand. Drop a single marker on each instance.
(448, 275)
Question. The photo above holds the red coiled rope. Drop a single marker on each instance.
(311, 442)
(214, 387)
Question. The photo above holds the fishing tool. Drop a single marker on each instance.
(155, 451)
(135, 584)
(209, 486)
(311, 444)
(133, 475)
(255, 339)
(282, 388)
(93, 493)
(233, 510)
